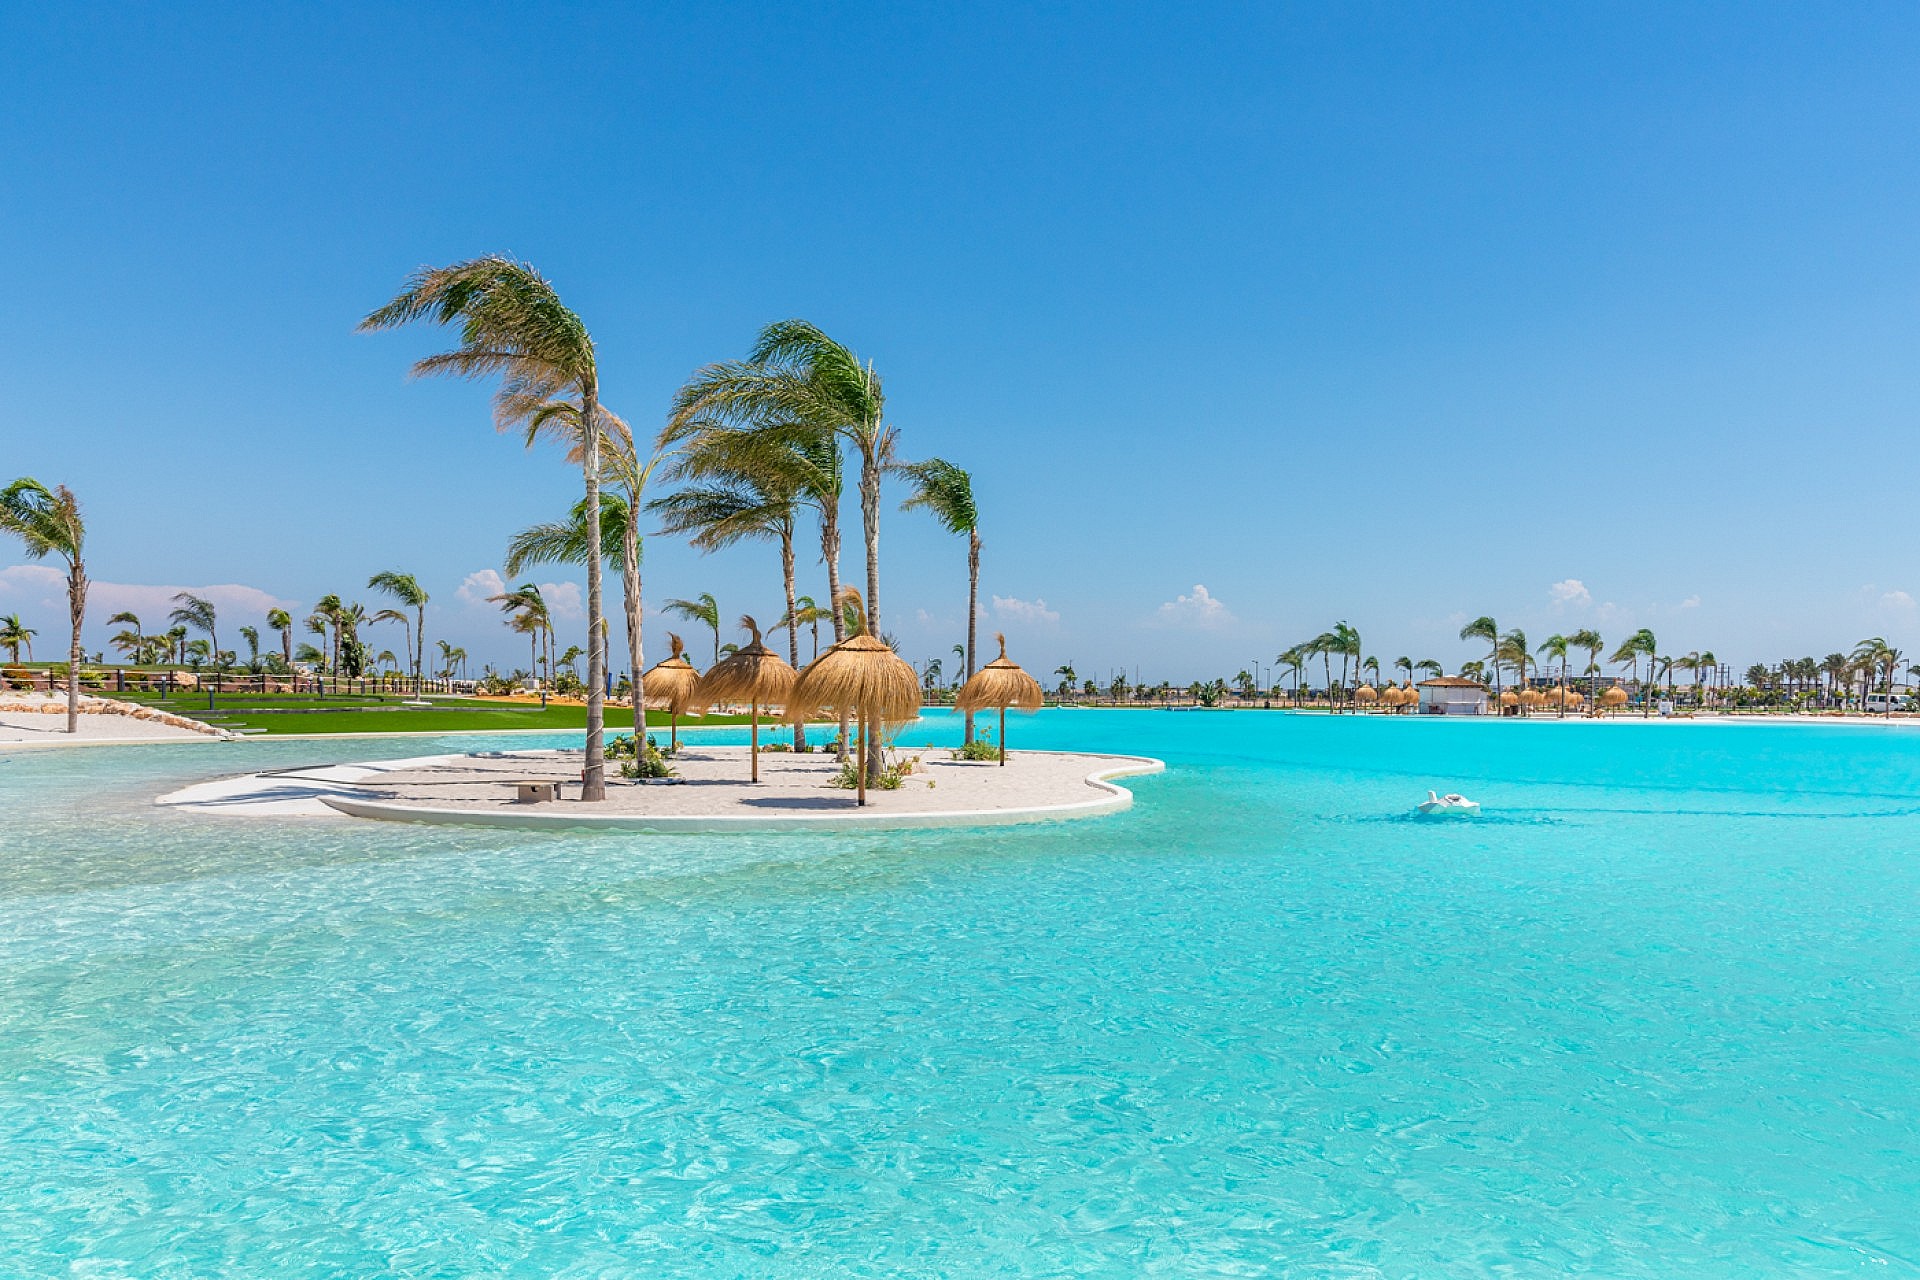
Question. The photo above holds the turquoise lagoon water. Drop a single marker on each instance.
(1653, 1015)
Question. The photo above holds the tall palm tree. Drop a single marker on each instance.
(406, 630)
(1429, 667)
(330, 610)
(567, 542)
(703, 609)
(623, 467)
(807, 614)
(1405, 664)
(1293, 658)
(406, 589)
(798, 378)
(1555, 646)
(1631, 650)
(1707, 664)
(946, 492)
(1589, 639)
(252, 637)
(15, 633)
(48, 522)
(1485, 628)
(282, 621)
(512, 323)
(195, 612)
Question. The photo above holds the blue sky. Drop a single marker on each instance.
(1244, 321)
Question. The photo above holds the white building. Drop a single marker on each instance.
(1452, 696)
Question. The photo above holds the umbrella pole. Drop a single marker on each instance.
(754, 749)
(673, 719)
(1003, 737)
(863, 760)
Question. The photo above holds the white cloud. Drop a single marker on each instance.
(1570, 591)
(1899, 600)
(1033, 611)
(564, 599)
(1693, 601)
(41, 587)
(478, 585)
(1200, 610)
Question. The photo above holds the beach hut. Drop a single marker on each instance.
(1452, 696)
(1000, 684)
(755, 675)
(865, 679)
(672, 686)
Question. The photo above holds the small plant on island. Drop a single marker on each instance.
(635, 762)
(981, 748)
(891, 775)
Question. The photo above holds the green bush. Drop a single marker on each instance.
(650, 763)
(980, 748)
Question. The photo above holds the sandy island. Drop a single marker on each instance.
(710, 793)
(37, 719)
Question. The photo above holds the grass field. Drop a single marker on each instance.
(255, 713)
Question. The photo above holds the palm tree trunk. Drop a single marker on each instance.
(420, 652)
(830, 552)
(870, 527)
(595, 785)
(973, 612)
(630, 579)
(793, 623)
(77, 611)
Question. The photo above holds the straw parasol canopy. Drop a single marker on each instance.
(672, 686)
(864, 678)
(755, 675)
(1508, 698)
(1531, 697)
(1366, 693)
(1614, 697)
(1000, 684)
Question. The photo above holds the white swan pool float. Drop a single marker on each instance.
(1449, 804)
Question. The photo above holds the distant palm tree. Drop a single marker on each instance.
(1514, 652)
(1067, 676)
(1484, 628)
(195, 612)
(807, 614)
(1640, 643)
(1555, 646)
(703, 609)
(406, 630)
(48, 522)
(14, 634)
(527, 613)
(1429, 667)
(946, 492)
(252, 637)
(405, 589)
(1405, 665)
(132, 643)
(282, 621)
(512, 323)
(1590, 640)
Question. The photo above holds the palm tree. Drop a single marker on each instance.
(1293, 658)
(703, 609)
(807, 614)
(1484, 628)
(195, 612)
(512, 323)
(15, 633)
(252, 637)
(282, 621)
(738, 506)
(49, 523)
(1429, 667)
(1405, 664)
(1630, 650)
(1589, 639)
(567, 542)
(133, 642)
(406, 629)
(946, 491)
(176, 643)
(1514, 652)
(796, 378)
(1347, 644)
(1067, 676)
(1555, 646)
(527, 613)
(1707, 664)
(405, 589)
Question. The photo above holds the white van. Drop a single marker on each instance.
(1879, 702)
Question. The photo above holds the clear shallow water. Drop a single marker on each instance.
(1652, 1016)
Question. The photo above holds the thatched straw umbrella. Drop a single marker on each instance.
(863, 678)
(672, 686)
(1000, 684)
(1366, 693)
(1508, 698)
(1614, 697)
(755, 675)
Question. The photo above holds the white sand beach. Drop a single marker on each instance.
(37, 719)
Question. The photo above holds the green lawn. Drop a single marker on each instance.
(256, 713)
